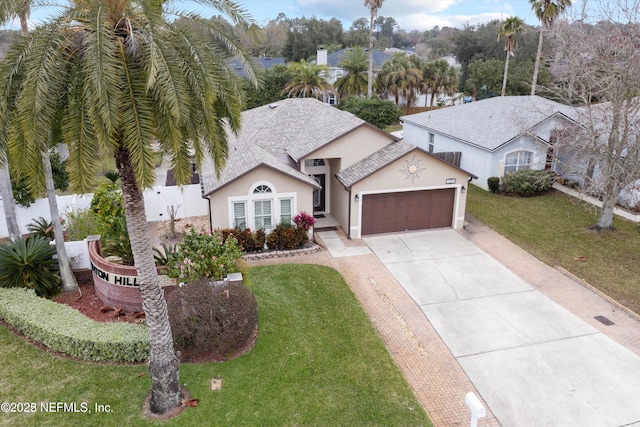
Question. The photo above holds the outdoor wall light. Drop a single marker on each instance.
(463, 189)
(357, 198)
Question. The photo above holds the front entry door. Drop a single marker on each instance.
(319, 195)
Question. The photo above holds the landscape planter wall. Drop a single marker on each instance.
(117, 285)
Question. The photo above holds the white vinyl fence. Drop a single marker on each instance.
(156, 200)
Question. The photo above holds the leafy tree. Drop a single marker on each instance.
(485, 76)
(597, 69)
(307, 34)
(373, 6)
(511, 27)
(354, 81)
(272, 83)
(358, 34)
(308, 81)
(547, 11)
(115, 77)
(21, 192)
(378, 112)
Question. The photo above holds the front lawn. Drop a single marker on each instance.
(556, 229)
(317, 361)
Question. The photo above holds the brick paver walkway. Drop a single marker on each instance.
(434, 374)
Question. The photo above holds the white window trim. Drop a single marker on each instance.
(249, 198)
(518, 165)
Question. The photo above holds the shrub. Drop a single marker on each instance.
(204, 256)
(286, 237)
(248, 241)
(378, 112)
(493, 182)
(66, 330)
(29, 263)
(41, 228)
(116, 240)
(165, 254)
(107, 202)
(216, 321)
(83, 223)
(528, 181)
(304, 220)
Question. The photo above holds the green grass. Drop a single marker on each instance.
(317, 361)
(556, 229)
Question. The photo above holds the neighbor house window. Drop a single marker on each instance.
(285, 211)
(262, 214)
(517, 161)
(239, 215)
(432, 142)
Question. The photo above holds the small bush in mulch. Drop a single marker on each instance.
(248, 240)
(286, 237)
(212, 322)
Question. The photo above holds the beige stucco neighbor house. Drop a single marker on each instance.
(304, 155)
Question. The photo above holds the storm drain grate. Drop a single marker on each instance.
(604, 320)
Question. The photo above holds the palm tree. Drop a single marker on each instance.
(373, 6)
(354, 81)
(509, 29)
(116, 77)
(546, 11)
(400, 78)
(9, 9)
(308, 81)
(440, 77)
(22, 9)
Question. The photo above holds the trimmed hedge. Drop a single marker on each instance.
(63, 329)
(528, 182)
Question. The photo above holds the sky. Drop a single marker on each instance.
(410, 14)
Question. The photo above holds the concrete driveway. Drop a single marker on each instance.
(533, 362)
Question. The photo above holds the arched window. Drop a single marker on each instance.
(518, 160)
(262, 189)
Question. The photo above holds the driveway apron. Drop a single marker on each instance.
(532, 361)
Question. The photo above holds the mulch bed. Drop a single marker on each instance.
(87, 302)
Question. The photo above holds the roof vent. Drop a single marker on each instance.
(272, 106)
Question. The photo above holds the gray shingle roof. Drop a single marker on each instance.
(374, 162)
(243, 158)
(492, 122)
(296, 126)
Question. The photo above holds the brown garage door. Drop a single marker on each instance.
(410, 210)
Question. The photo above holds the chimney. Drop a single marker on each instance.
(321, 57)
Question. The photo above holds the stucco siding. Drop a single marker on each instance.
(354, 146)
(432, 174)
(242, 188)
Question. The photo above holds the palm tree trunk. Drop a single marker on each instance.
(164, 367)
(536, 68)
(9, 203)
(506, 71)
(370, 79)
(69, 282)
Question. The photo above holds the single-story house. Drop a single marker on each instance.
(494, 136)
(304, 155)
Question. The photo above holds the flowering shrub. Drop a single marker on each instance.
(304, 220)
(203, 256)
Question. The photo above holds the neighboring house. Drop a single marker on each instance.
(332, 61)
(300, 154)
(494, 136)
(264, 62)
